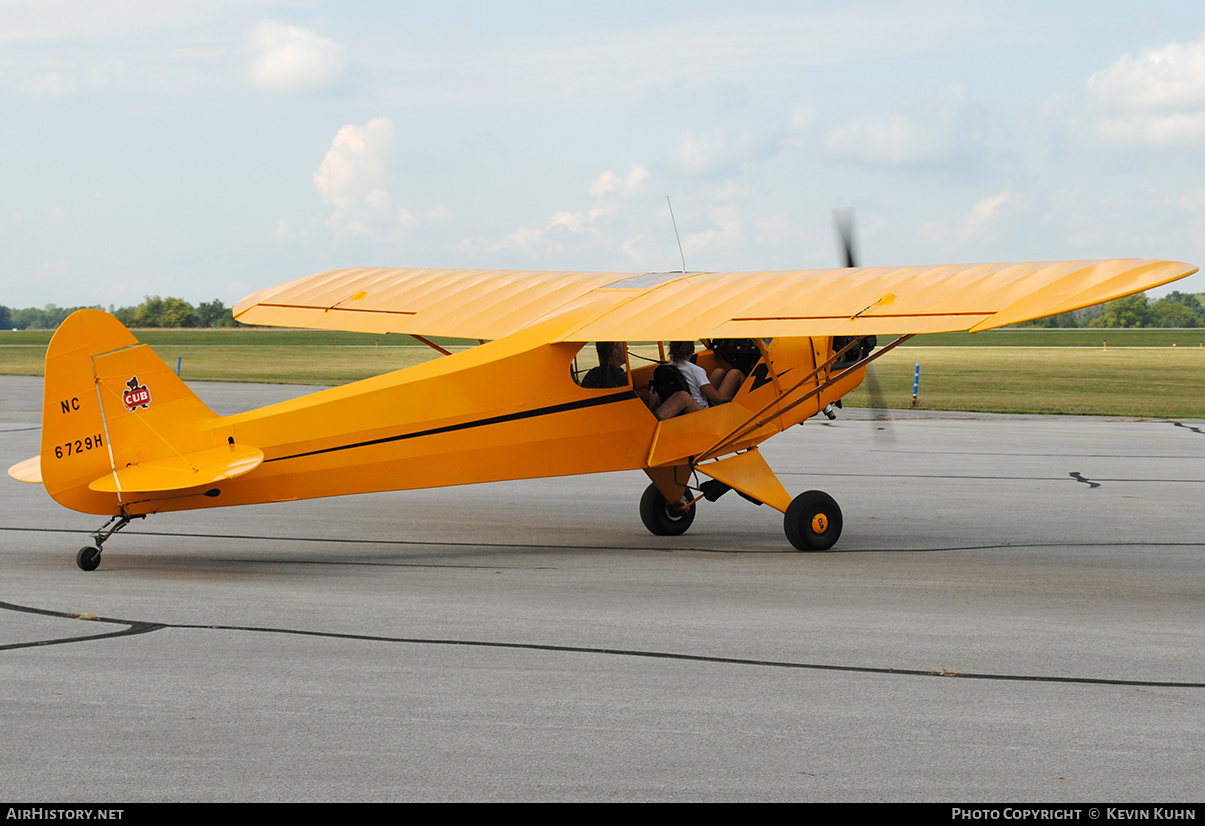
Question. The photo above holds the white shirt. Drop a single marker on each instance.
(695, 377)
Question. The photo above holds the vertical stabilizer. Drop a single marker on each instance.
(110, 403)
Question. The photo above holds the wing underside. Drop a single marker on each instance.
(489, 304)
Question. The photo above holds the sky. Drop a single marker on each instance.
(207, 148)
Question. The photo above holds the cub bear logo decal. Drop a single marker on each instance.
(138, 395)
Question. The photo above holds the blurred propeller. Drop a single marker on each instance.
(844, 220)
(878, 409)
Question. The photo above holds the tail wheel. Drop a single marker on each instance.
(88, 559)
(813, 521)
(663, 518)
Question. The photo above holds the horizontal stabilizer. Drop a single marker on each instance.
(190, 470)
(28, 471)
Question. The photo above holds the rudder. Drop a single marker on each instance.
(109, 403)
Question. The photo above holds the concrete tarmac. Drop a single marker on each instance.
(1013, 613)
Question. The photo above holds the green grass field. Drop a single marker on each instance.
(1161, 383)
(1140, 373)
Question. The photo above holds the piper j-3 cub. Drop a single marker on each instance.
(123, 436)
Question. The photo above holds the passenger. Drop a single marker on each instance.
(612, 359)
(669, 384)
(705, 390)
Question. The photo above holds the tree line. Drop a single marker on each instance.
(153, 312)
(1175, 309)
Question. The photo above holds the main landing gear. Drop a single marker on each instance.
(88, 559)
(812, 521)
(664, 518)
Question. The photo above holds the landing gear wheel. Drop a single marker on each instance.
(813, 521)
(88, 559)
(662, 518)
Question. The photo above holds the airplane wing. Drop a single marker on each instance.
(489, 304)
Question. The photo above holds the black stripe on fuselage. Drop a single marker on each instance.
(509, 417)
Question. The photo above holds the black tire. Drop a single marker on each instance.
(813, 521)
(661, 518)
(88, 559)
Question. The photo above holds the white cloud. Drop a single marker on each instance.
(983, 221)
(775, 230)
(627, 184)
(1156, 99)
(409, 219)
(1168, 77)
(1193, 200)
(1173, 129)
(988, 212)
(570, 226)
(354, 167)
(717, 154)
(50, 84)
(728, 233)
(293, 59)
(353, 178)
(70, 81)
(928, 132)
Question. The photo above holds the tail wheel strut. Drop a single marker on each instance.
(88, 559)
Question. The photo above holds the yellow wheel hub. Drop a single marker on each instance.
(819, 523)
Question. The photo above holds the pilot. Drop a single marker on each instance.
(612, 358)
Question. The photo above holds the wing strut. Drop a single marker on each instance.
(754, 422)
(432, 344)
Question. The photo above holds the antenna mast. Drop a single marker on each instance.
(675, 223)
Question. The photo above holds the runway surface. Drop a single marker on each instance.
(1014, 613)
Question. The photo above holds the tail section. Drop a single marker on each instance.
(120, 429)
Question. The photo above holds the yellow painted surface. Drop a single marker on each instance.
(29, 470)
(122, 433)
(508, 409)
(749, 473)
(687, 306)
(181, 471)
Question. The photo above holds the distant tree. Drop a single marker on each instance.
(1076, 318)
(178, 313)
(1060, 320)
(45, 318)
(1131, 311)
(1178, 309)
(125, 315)
(148, 312)
(1173, 314)
(214, 314)
(1085, 315)
(5, 321)
(164, 312)
(35, 318)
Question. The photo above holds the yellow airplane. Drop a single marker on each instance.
(123, 436)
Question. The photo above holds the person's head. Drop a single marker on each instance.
(611, 352)
(681, 350)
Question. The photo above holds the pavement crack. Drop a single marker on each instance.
(136, 627)
(1077, 477)
(132, 628)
